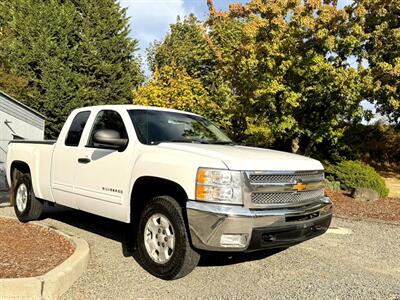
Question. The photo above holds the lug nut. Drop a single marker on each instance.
(166, 239)
(159, 230)
(158, 243)
(163, 244)
(164, 232)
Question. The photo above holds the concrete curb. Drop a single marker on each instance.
(54, 283)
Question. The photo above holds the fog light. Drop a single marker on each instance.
(234, 240)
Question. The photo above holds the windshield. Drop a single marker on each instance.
(157, 126)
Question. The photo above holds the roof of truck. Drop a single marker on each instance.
(132, 106)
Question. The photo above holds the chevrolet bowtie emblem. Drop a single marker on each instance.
(299, 187)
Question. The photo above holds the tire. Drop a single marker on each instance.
(182, 258)
(26, 206)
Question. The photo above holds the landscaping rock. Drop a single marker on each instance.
(364, 194)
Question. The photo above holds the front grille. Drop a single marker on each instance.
(305, 176)
(286, 198)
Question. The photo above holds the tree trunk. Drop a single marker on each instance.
(308, 148)
(295, 144)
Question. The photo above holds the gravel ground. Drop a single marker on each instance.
(361, 265)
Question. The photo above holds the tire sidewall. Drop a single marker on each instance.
(23, 179)
(174, 264)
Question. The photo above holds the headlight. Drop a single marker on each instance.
(222, 186)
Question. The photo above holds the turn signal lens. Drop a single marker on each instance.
(201, 192)
(201, 176)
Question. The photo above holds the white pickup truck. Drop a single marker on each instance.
(182, 185)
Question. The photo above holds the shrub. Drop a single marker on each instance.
(355, 174)
(334, 185)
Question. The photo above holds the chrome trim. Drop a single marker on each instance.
(249, 187)
(285, 172)
(209, 221)
(286, 187)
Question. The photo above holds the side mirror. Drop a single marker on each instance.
(109, 139)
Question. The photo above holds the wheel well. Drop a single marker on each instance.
(147, 187)
(19, 166)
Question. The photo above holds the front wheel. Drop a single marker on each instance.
(26, 206)
(163, 243)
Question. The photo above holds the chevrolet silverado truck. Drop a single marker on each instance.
(179, 182)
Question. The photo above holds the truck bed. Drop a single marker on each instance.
(37, 155)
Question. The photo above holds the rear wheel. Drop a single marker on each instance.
(163, 247)
(26, 206)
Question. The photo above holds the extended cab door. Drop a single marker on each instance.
(65, 155)
(102, 180)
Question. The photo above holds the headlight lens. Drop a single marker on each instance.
(222, 186)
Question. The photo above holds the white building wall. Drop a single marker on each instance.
(17, 120)
(10, 125)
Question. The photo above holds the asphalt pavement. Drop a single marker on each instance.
(354, 260)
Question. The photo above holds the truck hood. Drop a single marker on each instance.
(249, 158)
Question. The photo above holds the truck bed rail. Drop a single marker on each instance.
(47, 142)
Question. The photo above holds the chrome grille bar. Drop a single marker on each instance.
(281, 188)
(285, 198)
(285, 178)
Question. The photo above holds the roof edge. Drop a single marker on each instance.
(23, 105)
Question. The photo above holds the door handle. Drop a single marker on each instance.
(84, 160)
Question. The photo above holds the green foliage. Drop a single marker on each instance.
(173, 87)
(332, 185)
(185, 46)
(354, 174)
(378, 143)
(188, 47)
(72, 54)
(286, 77)
(10, 82)
(285, 74)
(379, 24)
(279, 70)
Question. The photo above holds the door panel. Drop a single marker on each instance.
(102, 178)
(65, 154)
(101, 185)
(63, 168)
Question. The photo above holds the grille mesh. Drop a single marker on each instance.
(283, 178)
(286, 197)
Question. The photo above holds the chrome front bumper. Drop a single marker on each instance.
(210, 223)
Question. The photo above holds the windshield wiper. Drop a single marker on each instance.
(180, 141)
(189, 141)
(230, 143)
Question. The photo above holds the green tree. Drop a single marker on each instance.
(279, 70)
(290, 73)
(10, 82)
(73, 54)
(186, 46)
(173, 87)
(380, 22)
(189, 47)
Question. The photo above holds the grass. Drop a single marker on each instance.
(392, 180)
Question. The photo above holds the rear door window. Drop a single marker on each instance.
(77, 126)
